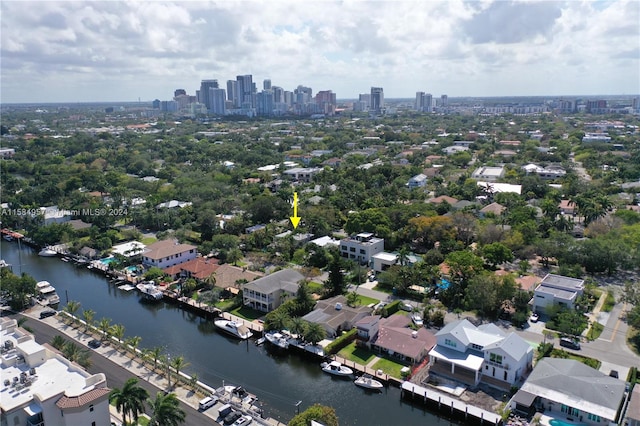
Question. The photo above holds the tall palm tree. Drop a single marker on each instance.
(58, 341)
(298, 326)
(129, 400)
(88, 316)
(210, 281)
(166, 411)
(178, 363)
(105, 326)
(72, 308)
(118, 332)
(155, 353)
(315, 333)
(134, 342)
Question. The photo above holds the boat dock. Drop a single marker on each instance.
(377, 374)
(446, 405)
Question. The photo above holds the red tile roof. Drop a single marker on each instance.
(81, 400)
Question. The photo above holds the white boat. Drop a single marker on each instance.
(7, 237)
(368, 382)
(335, 368)
(150, 291)
(47, 293)
(260, 341)
(234, 328)
(47, 252)
(277, 339)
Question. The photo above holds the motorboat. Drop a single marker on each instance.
(234, 328)
(47, 252)
(260, 341)
(150, 291)
(47, 293)
(335, 368)
(277, 339)
(368, 382)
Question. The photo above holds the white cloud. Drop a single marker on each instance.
(104, 50)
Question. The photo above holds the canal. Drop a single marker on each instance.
(279, 380)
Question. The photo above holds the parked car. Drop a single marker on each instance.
(232, 417)
(207, 402)
(417, 319)
(614, 374)
(47, 313)
(569, 343)
(379, 306)
(243, 421)
(406, 307)
(534, 317)
(94, 344)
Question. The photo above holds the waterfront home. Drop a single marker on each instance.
(472, 355)
(231, 277)
(165, 253)
(557, 290)
(570, 390)
(335, 315)
(361, 247)
(267, 293)
(42, 387)
(199, 268)
(393, 336)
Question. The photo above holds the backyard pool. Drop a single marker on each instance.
(558, 422)
(443, 284)
(108, 260)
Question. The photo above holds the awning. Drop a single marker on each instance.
(33, 409)
(524, 398)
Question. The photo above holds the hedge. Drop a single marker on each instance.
(341, 342)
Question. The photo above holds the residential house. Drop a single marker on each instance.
(443, 199)
(199, 268)
(301, 174)
(547, 173)
(450, 150)
(568, 389)
(633, 409)
(267, 293)
(383, 260)
(491, 174)
(417, 181)
(393, 337)
(361, 247)
(42, 387)
(567, 207)
(232, 277)
(494, 208)
(53, 214)
(557, 290)
(165, 253)
(495, 187)
(172, 204)
(335, 315)
(466, 144)
(472, 355)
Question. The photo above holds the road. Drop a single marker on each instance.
(116, 375)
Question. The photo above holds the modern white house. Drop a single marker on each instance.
(557, 290)
(490, 174)
(361, 247)
(417, 181)
(471, 355)
(569, 390)
(302, 174)
(40, 387)
(167, 253)
(267, 293)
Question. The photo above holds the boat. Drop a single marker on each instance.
(335, 368)
(7, 237)
(47, 293)
(234, 328)
(277, 339)
(260, 341)
(47, 252)
(150, 291)
(368, 382)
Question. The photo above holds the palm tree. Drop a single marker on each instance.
(105, 326)
(178, 363)
(234, 255)
(315, 333)
(210, 281)
(403, 255)
(88, 316)
(134, 342)
(129, 400)
(298, 326)
(155, 353)
(71, 308)
(166, 411)
(118, 332)
(58, 341)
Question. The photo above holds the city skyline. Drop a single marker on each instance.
(113, 51)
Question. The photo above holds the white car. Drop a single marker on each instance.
(243, 421)
(534, 317)
(417, 319)
(207, 402)
(406, 307)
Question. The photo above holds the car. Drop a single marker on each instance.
(232, 417)
(94, 343)
(569, 343)
(243, 421)
(417, 319)
(614, 374)
(380, 306)
(406, 307)
(47, 313)
(207, 402)
(534, 317)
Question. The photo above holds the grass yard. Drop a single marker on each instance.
(316, 288)
(224, 305)
(609, 302)
(595, 331)
(391, 368)
(591, 362)
(358, 355)
(366, 301)
(148, 240)
(247, 313)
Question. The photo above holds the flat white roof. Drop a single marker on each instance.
(388, 257)
(129, 249)
(462, 359)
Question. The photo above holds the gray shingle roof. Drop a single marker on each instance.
(285, 279)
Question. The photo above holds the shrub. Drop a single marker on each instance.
(341, 342)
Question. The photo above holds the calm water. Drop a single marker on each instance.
(279, 380)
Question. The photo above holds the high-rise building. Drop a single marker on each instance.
(366, 98)
(326, 101)
(264, 103)
(232, 90)
(303, 94)
(266, 84)
(205, 85)
(427, 102)
(218, 99)
(419, 103)
(245, 91)
(288, 97)
(377, 99)
(179, 92)
(278, 94)
(444, 101)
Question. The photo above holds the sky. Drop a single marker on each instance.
(69, 51)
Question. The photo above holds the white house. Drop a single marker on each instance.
(302, 174)
(167, 253)
(417, 181)
(491, 174)
(471, 355)
(361, 247)
(41, 387)
(557, 290)
(267, 293)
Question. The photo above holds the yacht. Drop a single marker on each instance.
(47, 293)
(277, 339)
(335, 368)
(368, 382)
(234, 328)
(47, 252)
(150, 291)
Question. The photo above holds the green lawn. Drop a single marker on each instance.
(383, 289)
(149, 240)
(247, 313)
(224, 305)
(315, 287)
(595, 331)
(366, 301)
(358, 355)
(392, 368)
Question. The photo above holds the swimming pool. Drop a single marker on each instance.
(132, 268)
(443, 284)
(108, 260)
(558, 422)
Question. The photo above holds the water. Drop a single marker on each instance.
(279, 380)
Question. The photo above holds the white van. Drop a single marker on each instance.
(207, 402)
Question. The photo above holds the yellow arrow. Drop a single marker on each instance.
(295, 219)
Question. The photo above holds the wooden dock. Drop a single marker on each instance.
(367, 370)
(446, 405)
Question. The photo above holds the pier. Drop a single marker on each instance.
(446, 405)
